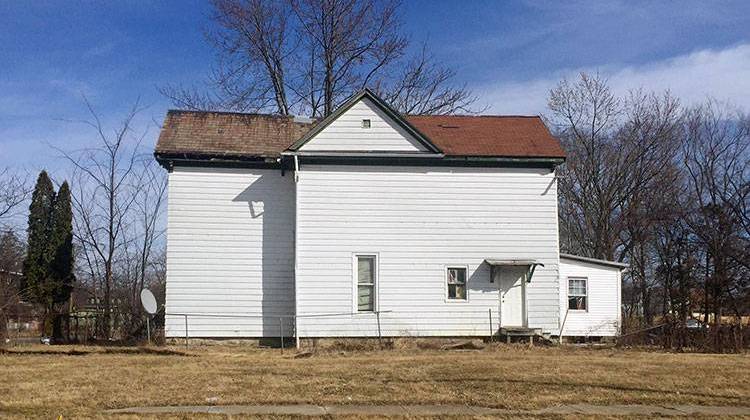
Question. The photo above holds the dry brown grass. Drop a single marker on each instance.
(81, 381)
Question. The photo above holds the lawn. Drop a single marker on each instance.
(81, 381)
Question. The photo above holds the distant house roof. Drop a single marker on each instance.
(10, 273)
(199, 134)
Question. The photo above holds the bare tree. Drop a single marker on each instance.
(104, 192)
(307, 56)
(252, 40)
(14, 190)
(425, 88)
(147, 228)
(585, 114)
(617, 181)
(716, 157)
(617, 147)
(663, 188)
(354, 40)
(11, 261)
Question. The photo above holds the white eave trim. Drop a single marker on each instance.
(324, 153)
(621, 266)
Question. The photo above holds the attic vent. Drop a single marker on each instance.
(365, 123)
(447, 126)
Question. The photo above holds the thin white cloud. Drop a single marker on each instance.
(720, 74)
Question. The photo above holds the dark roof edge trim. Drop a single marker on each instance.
(597, 261)
(169, 160)
(366, 93)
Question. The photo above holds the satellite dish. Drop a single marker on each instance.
(148, 301)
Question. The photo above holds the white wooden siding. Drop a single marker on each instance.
(346, 134)
(419, 220)
(230, 251)
(602, 318)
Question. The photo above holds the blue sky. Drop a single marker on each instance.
(510, 52)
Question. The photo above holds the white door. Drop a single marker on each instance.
(512, 284)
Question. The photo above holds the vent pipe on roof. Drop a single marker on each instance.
(301, 119)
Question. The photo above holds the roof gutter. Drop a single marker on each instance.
(615, 264)
(168, 160)
(364, 154)
(518, 159)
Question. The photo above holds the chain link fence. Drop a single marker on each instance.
(380, 325)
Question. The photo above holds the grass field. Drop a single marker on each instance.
(81, 381)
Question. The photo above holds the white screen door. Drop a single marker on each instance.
(511, 281)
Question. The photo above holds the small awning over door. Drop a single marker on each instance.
(494, 263)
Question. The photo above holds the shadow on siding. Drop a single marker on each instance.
(270, 200)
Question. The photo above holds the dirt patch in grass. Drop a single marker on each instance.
(514, 377)
(68, 351)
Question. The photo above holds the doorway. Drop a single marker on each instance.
(511, 281)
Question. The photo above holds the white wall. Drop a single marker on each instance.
(230, 251)
(602, 318)
(418, 220)
(346, 134)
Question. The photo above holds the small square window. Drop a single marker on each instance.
(577, 294)
(365, 123)
(457, 283)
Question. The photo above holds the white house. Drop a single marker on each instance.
(590, 296)
(371, 223)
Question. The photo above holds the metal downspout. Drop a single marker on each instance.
(296, 258)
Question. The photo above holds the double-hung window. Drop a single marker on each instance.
(456, 283)
(577, 294)
(366, 278)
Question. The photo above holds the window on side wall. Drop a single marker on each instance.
(366, 278)
(577, 294)
(456, 283)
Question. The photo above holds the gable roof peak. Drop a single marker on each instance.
(382, 105)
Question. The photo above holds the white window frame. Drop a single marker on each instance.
(568, 295)
(445, 283)
(355, 282)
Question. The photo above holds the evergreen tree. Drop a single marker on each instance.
(36, 264)
(48, 268)
(61, 275)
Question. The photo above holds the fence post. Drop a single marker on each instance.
(281, 333)
(489, 311)
(380, 336)
(186, 331)
(148, 328)
(296, 331)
